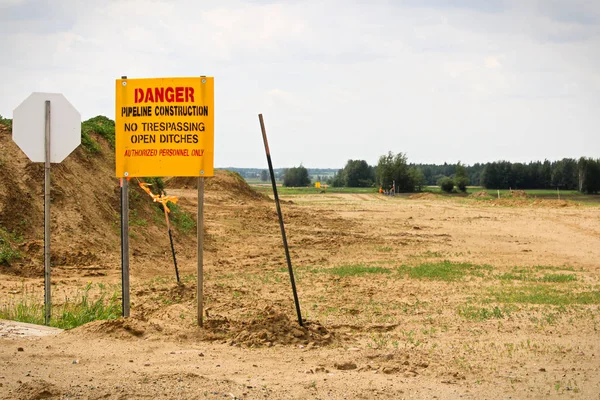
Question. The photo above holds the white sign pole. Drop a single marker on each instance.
(47, 298)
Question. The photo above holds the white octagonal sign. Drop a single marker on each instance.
(29, 127)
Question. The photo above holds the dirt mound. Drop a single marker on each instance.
(542, 203)
(480, 194)
(274, 327)
(122, 328)
(85, 207)
(517, 194)
(426, 195)
(225, 183)
(37, 389)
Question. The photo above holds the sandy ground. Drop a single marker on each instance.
(493, 331)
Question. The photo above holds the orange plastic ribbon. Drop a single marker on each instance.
(162, 198)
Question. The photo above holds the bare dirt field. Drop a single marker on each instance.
(419, 296)
(403, 298)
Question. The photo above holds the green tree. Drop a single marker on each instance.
(418, 178)
(446, 184)
(357, 173)
(264, 175)
(339, 179)
(394, 168)
(296, 176)
(461, 179)
(589, 175)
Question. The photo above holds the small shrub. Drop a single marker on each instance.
(461, 183)
(7, 252)
(446, 184)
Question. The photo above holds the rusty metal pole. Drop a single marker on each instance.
(285, 244)
(172, 247)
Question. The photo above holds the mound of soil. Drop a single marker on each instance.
(226, 184)
(277, 328)
(122, 328)
(272, 328)
(85, 209)
(37, 389)
(554, 203)
(517, 194)
(426, 195)
(480, 194)
(545, 203)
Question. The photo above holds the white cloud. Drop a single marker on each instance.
(440, 80)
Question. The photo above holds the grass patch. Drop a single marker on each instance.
(384, 249)
(473, 313)
(73, 313)
(101, 125)
(558, 278)
(357, 270)
(444, 271)
(181, 219)
(551, 268)
(135, 219)
(510, 276)
(543, 294)
(532, 274)
(529, 277)
(7, 252)
(266, 188)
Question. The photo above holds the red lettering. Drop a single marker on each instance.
(149, 96)
(169, 94)
(159, 94)
(179, 94)
(189, 94)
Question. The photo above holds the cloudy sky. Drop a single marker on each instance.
(440, 80)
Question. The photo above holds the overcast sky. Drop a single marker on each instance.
(440, 80)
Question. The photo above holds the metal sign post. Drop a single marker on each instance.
(164, 127)
(47, 290)
(125, 247)
(200, 233)
(42, 119)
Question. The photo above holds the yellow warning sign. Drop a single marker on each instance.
(164, 127)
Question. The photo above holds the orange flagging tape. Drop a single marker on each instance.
(158, 198)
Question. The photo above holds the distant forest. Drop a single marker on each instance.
(567, 174)
(394, 170)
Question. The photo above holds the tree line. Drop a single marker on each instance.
(394, 170)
